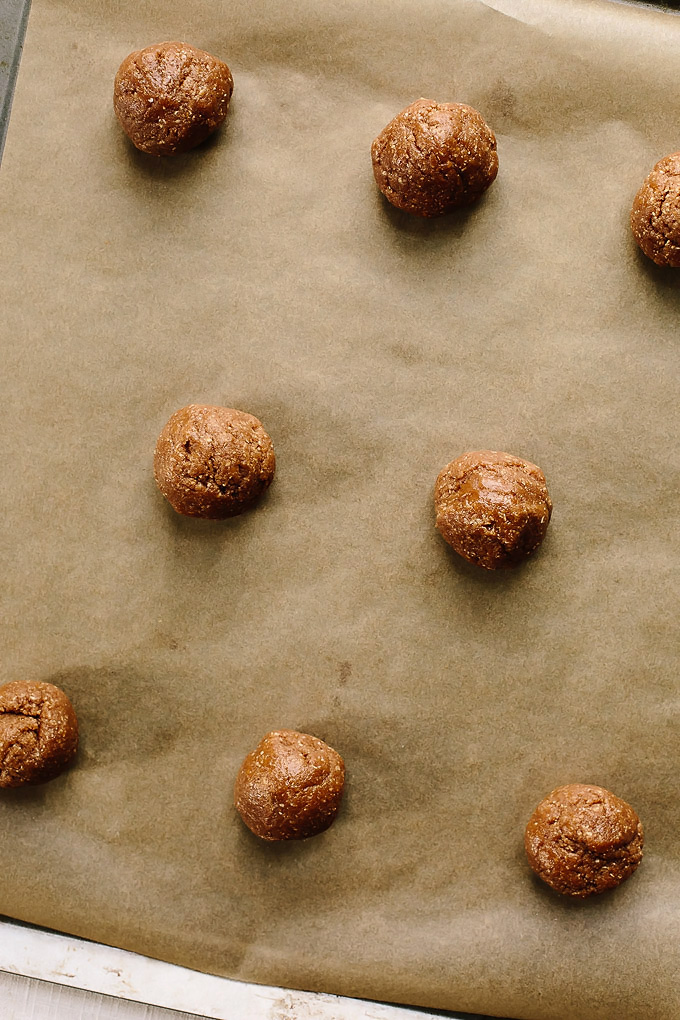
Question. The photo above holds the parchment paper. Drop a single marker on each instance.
(265, 272)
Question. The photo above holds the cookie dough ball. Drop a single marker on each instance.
(493, 508)
(434, 157)
(170, 97)
(583, 840)
(290, 786)
(38, 733)
(213, 462)
(655, 217)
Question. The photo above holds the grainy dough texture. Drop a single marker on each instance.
(38, 733)
(655, 216)
(290, 786)
(493, 508)
(583, 840)
(213, 462)
(433, 157)
(171, 96)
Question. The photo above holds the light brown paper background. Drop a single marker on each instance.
(265, 272)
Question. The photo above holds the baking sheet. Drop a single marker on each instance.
(13, 17)
(264, 272)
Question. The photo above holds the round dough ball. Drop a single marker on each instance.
(38, 733)
(290, 786)
(170, 97)
(583, 840)
(213, 462)
(493, 508)
(434, 157)
(655, 216)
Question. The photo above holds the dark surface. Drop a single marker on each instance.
(13, 17)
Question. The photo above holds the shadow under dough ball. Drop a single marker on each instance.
(213, 462)
(170, 97)
(655, 216)
(38, 733)
(493, 508)
(290, 786)
(583, 840)
(434, 157)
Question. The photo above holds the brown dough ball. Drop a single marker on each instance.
(434, 157)
(582, 840)
(38, 733)
(171, 96)
(493, 508)
(655, 216)
(213, 462)
(290, 786)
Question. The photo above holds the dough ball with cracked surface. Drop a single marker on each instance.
(171, 96)
(493, 508)
(290, 786)
(213, 462)
(583, 839)
(433, 157)
(38, 733)
(655, 216)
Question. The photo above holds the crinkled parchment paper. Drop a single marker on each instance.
(265, 272)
